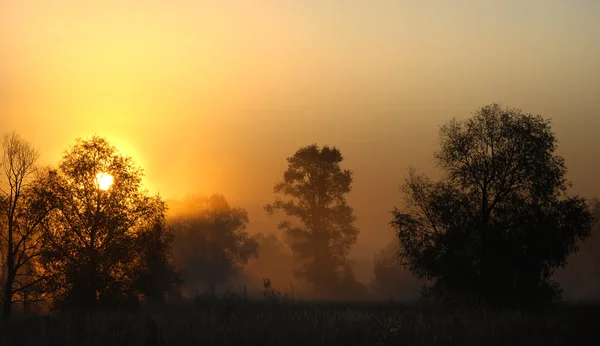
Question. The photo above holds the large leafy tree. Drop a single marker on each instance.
(314, 190)
(500, 222)
(94, 240)
(211, 244)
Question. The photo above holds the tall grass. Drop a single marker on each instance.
(242, 322)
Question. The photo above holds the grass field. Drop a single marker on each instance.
(248, 323)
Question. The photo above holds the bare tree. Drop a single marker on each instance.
(19, 213)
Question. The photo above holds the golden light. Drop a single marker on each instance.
(104, 181)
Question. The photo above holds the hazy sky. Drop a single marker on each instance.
(212, 96)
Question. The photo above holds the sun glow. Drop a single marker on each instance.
(104, 181)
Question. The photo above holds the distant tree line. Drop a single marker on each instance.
(493, 231)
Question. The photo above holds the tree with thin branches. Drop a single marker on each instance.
(22, 214)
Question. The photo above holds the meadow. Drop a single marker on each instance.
(237, 322)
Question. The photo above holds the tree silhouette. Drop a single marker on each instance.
(92, 238)
(269, 244)
(211, 244)
(580, 279)
(21, 214)
(275, 262)
(391, 279)
(275, 257)
(316, 187)
(595, 206)
(500, 222)
(154, 270)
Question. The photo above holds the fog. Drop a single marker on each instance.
(211, 97)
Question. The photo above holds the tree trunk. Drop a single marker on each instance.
(8, 293)
(484, 266)
(10, 277)
(93, 272)
(25, 302)
(485, 250)
(91, 294)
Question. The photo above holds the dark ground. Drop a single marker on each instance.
(247, 323)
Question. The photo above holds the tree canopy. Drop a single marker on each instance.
(211, 244)
(315, 187)
(95, 236)
(500, 221)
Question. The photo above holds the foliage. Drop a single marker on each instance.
(391, 279)
(595, 206)
(270, 246)
(94, 239)
(269, 293)
(583, 266)
(275, 261)
(316, 187)
(155, 274)
(211, 244)
(500, 222)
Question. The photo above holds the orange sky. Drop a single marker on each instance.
(212, 96)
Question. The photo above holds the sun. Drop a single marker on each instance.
(104, 181)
